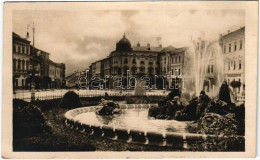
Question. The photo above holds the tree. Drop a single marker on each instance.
(235, 84)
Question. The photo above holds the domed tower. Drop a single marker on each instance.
(123, 45)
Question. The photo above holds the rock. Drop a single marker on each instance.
(109, 108)
(213, 123)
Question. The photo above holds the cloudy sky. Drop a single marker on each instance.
(78, 38)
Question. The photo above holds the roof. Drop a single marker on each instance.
(168, 49)
(146, 49)
(173, 49)
(15, 35)
(241, 30)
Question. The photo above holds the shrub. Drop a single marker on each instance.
(47, 104)
(70, 100)
(28, 119)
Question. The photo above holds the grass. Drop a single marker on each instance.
(63, 138)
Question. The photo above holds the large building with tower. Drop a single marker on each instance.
(128, 60)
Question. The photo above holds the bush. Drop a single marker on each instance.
(28, 120)
(70, 100)
(47, 104)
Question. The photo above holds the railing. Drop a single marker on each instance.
(49, 95)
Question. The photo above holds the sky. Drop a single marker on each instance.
(78, 38)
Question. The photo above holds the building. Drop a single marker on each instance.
(172, 63)
(233, 48)
(56, 74)
(134, 60)
(21, 61)
(31, 64)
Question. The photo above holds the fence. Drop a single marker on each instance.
(83, 95)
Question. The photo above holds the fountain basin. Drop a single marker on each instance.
(119, 127)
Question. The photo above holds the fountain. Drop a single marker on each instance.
(146, 124)
(204, 66)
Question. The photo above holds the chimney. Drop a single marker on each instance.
(148, 46)
(27, 32)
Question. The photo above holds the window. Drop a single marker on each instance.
(179, 58)
(235, 46)
(133, 70)
(176, 60)
(23, 65)
(142, 69)
(14, 64)
(212, 69)
(241, 44)
(28, 50)
(142, 62)
(119, 71)
(150, 63)
(240, 64)
(150, 70)
(229, 47)
(27, 65)
(224, 48)
(19, 64)
(179, 71)
(208, 69)
(234, 65)
(134, 61)
(126, 61)
(172, 72)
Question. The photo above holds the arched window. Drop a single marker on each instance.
(133, 70)
(134, 61)
(150, 70)
(125, 70)
(126, 61)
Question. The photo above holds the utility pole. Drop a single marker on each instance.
(33, 68)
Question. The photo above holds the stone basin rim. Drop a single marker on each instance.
(71, 114)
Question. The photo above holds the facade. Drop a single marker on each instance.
(31, 64)
(21, 61)
(140, 60)
(56, 74)
(233, 48)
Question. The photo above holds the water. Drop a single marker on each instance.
(134, 119)
(202, 54)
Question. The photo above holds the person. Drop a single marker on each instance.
(106, 96)
(203, 103)
(175, 92)
(224, 93)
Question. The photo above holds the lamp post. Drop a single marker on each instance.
(33, 69)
